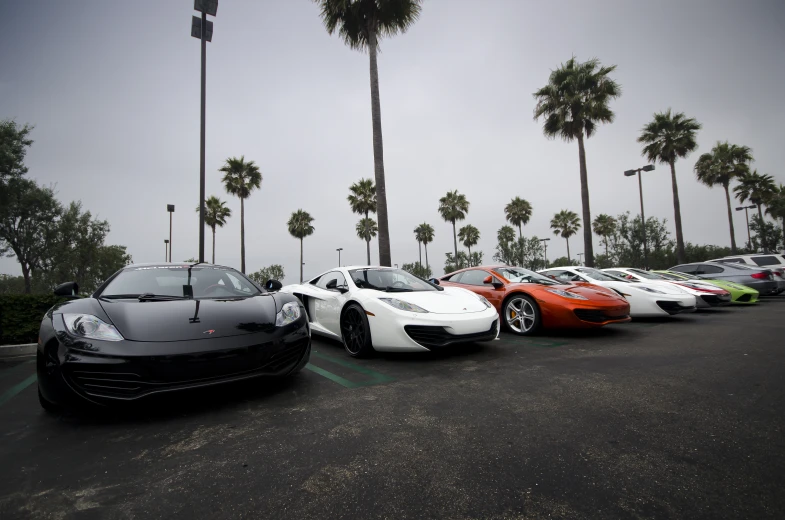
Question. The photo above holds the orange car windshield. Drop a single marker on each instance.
(518, 275)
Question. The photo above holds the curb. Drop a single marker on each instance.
(15, 351)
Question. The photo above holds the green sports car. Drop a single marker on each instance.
(739, 293)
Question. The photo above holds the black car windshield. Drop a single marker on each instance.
(599, 276)
(519, 275)
(389, 280)
(169, 281)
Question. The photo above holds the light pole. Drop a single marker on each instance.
(339, 255)
(202, 29)
(544, 242)
(747, 219)
(166, 250)
(580, 257)
(170, 209)
(630, 173)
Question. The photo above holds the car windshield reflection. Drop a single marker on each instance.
(389, 280)
(519, 275)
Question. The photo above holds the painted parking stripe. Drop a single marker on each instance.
(11, 392)
(15, 369)
(329, 375)
(375, 377)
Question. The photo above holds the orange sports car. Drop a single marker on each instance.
(527, 300)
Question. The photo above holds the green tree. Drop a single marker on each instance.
(272, 272)
(424, 234)
(215, 215)
(362, 200)
(14, 142)
(300, 227)
(565, 224)
(573, 103)
(11, 284)
(604, 226)
(776, 208)
(758, 189)
(518, 212)
(366, 230)
(469, 236)
(666, 138)
(417, 269)
(453, 207)
(765, 232)
(724, 163)
(361, 24)
(240, 179)
(563, 261)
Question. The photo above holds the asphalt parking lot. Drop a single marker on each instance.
(679, 418)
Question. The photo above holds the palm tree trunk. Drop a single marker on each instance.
(368, 248)
(242, 238)
(213, 244)
(569, 259)
(588, 247)
(419, 246)
(761, 231)
(378, 152)
(470, 255)
(680, 255)
(606, 248)
(426, 245)
(730, 221)
(520, 242)
(301, 260)
(455, 241)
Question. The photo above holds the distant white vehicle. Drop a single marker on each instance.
(385, 309)
(706, 294)
(646, 300)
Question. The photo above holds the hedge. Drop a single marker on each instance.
(21, 314)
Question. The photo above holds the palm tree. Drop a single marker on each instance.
(758, 189)
(505, 235)
(240, 179)
(469, 236)
(361, 23)
(605, 226)
(362, 200)
(453, 207)
(367, 229)
(215, 215)
(565, 224)
(573, 103)
(518, 212)
(300, 227)
(776, 208)
(424, 233)
(724, 163)
(667, 137)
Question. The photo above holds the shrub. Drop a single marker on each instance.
(21, 314)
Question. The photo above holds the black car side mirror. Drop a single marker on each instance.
(434, 281)
(67, 290)
(273, 285)
(332, 285)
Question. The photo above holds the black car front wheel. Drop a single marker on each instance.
(356, 332)
(47, 405)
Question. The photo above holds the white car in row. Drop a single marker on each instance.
(385, 309)
(646, 300)
(706, 294)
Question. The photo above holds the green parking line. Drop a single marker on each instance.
(10, 393)
(329, 375)
(13, 370)
(546, 343)
(376, 377)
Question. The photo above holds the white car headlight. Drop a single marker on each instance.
(402, 305)
(565, 294)
(92, 327)
(289, 313)
(484, 300)
(649, 289)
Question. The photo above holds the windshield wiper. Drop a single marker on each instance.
(397, 289)
(146, 297)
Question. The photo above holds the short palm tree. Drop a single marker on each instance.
(469, 236)
(605, 226)
(362, 200)
(724, 163)
(240, 179)
(518, 212)
(367, 229)
(361, 24)
(666, 138)
(424, 235)
(776, 208)
(505, 235)
(575, 100)
(453, 207)
(300, 227)
(759, 190)
(565, 224)
(215, 215)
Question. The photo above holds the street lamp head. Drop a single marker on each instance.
(166, 240)
(196, 29)
(206, 6)
(170, 208)
(648, 168)
(544, 239)
(630, 173)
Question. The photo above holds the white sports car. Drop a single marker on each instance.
(646, 300)
(706, 294)
(385, 309)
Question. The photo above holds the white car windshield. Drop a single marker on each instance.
(599, 276)
(645, 274)
(519, 275)
(389, 280)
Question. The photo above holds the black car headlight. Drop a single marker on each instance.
(89, 326)
(289, 313)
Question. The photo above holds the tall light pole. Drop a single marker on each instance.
(580, 257)
(747, 219)
(630, 173)
(170, 209)
(166, 250)
(339, 255)
(202, 29)
(544, 242)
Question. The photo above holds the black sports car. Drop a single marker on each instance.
(154, 328)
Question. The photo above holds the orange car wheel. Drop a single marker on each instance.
(521, 315)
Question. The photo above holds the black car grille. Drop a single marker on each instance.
(713, 299)
(596, 315)
(431, 336)
(673, 307)
(744, 298)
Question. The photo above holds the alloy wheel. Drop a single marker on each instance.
(520, 315)
(353, 330)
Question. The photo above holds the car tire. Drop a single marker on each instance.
(356, 332)
(47, 405)
(521, 315)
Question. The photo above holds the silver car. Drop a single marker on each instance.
(772, 261)
(760, 279)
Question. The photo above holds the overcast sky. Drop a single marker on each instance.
(112, 88)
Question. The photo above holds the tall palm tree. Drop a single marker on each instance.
(565, 224)
(518, 212)
(360, 24)
(505, 235)
(776, 208)
(605, 226)
(575, 100)
(453, 207)
(666, 138)
(300, 227)
(425, 236)
(724, 163)
(240, 179)
(758, 189)
(362, 199)
(469, 236)
(367, 229)
(215, 215)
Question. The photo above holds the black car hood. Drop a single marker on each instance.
(188, 320)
